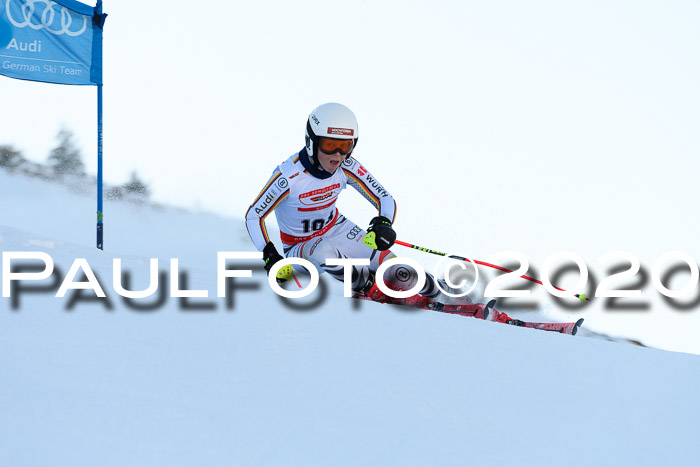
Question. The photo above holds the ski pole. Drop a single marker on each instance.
(581, 297)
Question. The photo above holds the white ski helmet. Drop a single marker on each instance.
(330, 120)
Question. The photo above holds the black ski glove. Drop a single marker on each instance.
(380, 234)
(270, 256)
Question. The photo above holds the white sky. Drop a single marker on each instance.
(203, 103)
(557, 103)
(531, 126)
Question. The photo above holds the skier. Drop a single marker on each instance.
(303, 191)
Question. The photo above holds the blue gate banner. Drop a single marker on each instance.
(51, 41)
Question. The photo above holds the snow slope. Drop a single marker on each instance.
(256, 382)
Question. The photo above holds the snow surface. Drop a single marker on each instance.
(256, 382)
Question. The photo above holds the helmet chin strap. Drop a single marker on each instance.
(317, 164)
(315, 161)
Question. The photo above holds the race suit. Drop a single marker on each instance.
(303, 198)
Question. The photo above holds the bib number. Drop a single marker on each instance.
(316, 224)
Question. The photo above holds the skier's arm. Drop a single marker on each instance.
(266, 202)
(368, 186)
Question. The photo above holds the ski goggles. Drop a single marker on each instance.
(331, 146)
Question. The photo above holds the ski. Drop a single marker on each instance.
(564, 328)
(478, 311)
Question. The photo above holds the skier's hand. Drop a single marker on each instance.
(380, 234)
(271, 256)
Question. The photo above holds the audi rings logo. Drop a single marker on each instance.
(36, 17)
(352, 235)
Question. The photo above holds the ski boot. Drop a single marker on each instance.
(372, 292)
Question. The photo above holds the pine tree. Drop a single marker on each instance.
(136, 186)
(65, 158)
(10, 157)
